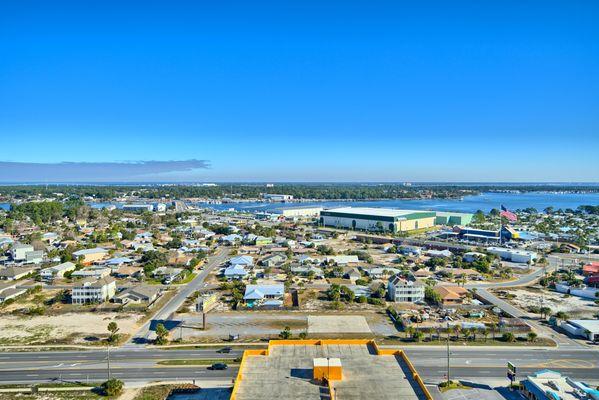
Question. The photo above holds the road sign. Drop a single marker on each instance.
(511, 367)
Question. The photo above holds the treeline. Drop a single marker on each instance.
(45, 211)
(240, 191)
(324, 191)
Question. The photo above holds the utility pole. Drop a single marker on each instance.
(108, 361)
(448, 366)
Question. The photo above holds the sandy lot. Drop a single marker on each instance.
(67, 328)
(575, 307)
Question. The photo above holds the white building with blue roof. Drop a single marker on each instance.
(271, 295)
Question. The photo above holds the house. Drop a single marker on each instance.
(50, 237)
(230, 239)
(93, 291)
(273, 260)
(15, 273)
(381, 272)
(472, 256)
(257, 295)
(450, 294)
(235, 272)
(19, 251)
(126, 271)
(591, 269)
(341, 260)
(353, 274)
(34, 257)
(88, 256)
(360, 291)
(244, 261)
(57, 271)
(10, 291)
(402, 289)
(410, 250)
(138, 295)
(167, 274)
(92, 272)
(307, 271)
(118, 262)
(439, 253)
(262, 240)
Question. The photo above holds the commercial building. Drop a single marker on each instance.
(278, 197)
(335, 369)
(93, 291)
(377, 219)
(451, 218)
(300, 212)
(403, 289)
(586, 328)
(551, 385)
(513, 255)
(138, 207)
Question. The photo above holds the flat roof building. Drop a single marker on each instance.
(377, 219)
(346, 369)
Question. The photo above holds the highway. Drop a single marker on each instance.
(140, 365)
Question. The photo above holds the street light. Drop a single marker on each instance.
(448, 365)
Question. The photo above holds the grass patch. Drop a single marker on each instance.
(206, 361)
(158, 392)
(445, 386)
(190, 277)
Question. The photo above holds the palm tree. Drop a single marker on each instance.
(456, 331)
(493, 330)
(485, 333)
(532, 336)
(545, 311)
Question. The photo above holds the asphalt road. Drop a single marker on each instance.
(141, 365)
(145, 334)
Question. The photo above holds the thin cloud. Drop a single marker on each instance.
(130, 171)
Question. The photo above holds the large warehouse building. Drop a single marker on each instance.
(331, 369)
(378, 219)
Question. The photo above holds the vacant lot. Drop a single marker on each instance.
(66, 328)
(575, 307)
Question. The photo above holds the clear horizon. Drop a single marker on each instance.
(317, 92)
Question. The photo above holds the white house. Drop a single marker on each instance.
(400, 289)
(93, 291)
(19, 251)
(57, 271)
(271, 295)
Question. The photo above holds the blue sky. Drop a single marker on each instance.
(302, 91)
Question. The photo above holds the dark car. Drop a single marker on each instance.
(225, 350)
(219, 366)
